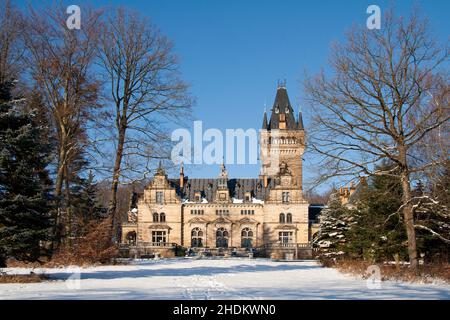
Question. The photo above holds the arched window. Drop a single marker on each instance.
(246, 238)
(162, 217)
(222, 238)
(196, 238)
(282, 218)
(155, 217)
(289, 218)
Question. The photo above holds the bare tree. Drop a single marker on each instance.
(381, 102)
(10, 49)
(60, 61)
(145, 89)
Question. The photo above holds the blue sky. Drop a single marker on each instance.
(233, 52)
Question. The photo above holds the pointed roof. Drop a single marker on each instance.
(160, 170)
(265, 123)
(300, 121)
(282, 105)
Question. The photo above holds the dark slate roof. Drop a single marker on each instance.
(300, 121)
(265, 124)
(208, 187)
(284, 105)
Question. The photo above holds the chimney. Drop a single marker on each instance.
(352, 188)
(266, 183)
(181, 175)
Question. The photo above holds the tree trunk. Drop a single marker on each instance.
(58, 192)
(115, 184)
(409, 221)
(68, 227)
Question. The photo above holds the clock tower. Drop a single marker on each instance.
(282, 140)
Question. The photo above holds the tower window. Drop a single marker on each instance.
(159, 197)
(289, 218)
(285, 197)
(282, 218)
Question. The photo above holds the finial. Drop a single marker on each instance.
(281, 83)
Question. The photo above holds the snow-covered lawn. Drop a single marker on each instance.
(213, 279)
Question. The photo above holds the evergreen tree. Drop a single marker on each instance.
(84, 203)
(25, 212)
(335, 221)
(433, 212)
(378, 233)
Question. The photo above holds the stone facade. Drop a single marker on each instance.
(267, 215)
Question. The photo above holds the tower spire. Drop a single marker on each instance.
(300, 121)
(265, 124)
(283, 116)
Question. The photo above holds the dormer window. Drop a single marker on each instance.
(287, 110)
(247, 196)
(159, 197)
(197, 197)
(277, 110)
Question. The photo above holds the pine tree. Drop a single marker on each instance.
(25, 212)
(378, 233)
(84, 203)
(433, 212)
(335, 221)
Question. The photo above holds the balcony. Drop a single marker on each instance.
(287, 245)
(167, 245)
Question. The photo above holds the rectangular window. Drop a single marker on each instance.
(159, 197)
(285, 197)
(159, 237)
(285, 237)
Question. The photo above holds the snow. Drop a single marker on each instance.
(234, 200)
(254, 200)
(187, 278)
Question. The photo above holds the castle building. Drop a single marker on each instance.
(221, 215)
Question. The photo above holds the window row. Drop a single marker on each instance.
(285, 218)
(283, 140)
(159, 217)
(222, 238)
(248, 212)
(195, 211)
(223, 212)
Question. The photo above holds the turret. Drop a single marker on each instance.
(181, 175)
